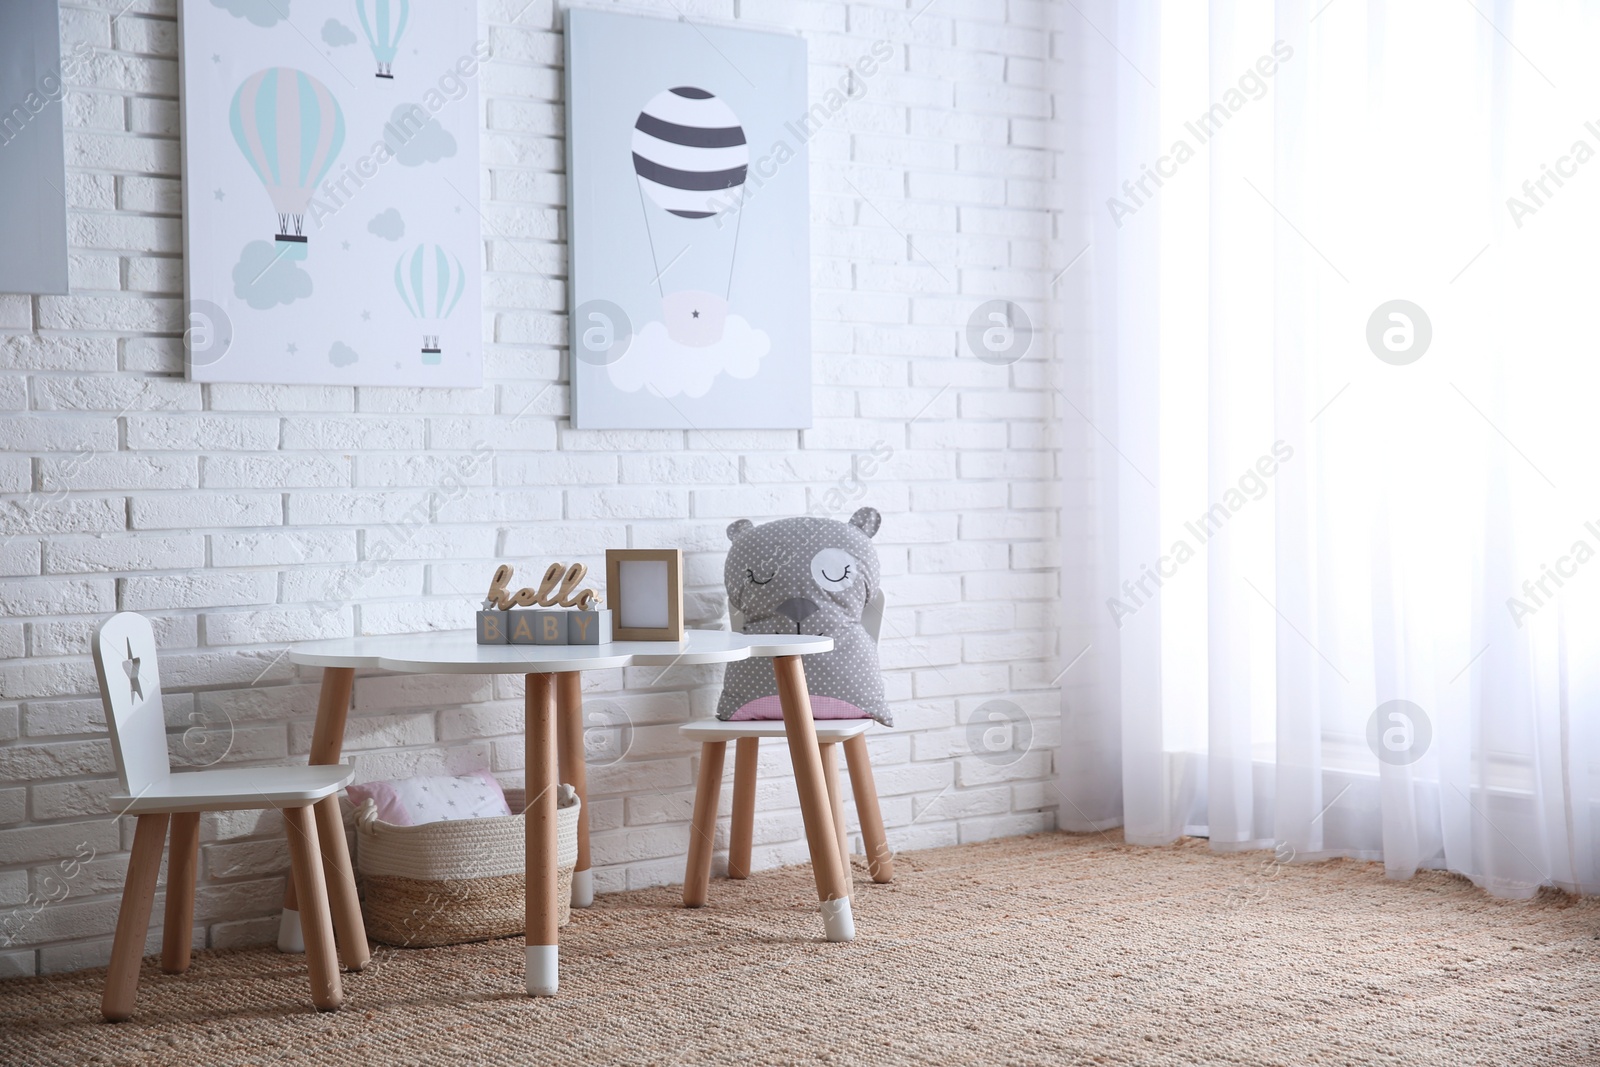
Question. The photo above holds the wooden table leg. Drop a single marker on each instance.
(133, 917)
(703, 827)
(741, 832)
(541, 944)
(305, 862)
(817, 813)
(182, 856)
(879, 861)
(830, 776)
(574, 772)
(327, 746)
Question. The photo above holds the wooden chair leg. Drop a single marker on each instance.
(830, 776)
(327, 742)
(183, 854)
(742, 833)
(349, 929)
(133, 917)
(703, 828)
(311, 892)
(879, 861)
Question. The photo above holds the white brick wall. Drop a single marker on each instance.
(241, 518)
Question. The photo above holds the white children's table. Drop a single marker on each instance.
(554, 725)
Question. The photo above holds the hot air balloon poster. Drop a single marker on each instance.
(687, 185)
(331, 221)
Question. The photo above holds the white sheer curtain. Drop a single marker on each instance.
(1305, 546)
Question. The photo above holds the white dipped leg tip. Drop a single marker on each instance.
(837, 920)
(290, 937)
(544, 970)
(582, 889)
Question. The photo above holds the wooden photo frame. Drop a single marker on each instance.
(644, 590)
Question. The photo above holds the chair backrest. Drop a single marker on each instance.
(871, 617)
(130, 688)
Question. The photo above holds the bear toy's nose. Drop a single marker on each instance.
(797, 608)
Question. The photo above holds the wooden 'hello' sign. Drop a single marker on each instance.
(509, 618)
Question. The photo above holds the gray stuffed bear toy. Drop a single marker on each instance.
(806, 576)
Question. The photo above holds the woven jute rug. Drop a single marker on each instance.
(1054, 949)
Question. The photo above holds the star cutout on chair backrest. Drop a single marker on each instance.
(131, 668)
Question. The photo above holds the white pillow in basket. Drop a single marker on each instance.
(414, 801)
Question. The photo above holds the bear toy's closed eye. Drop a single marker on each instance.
(806, 576)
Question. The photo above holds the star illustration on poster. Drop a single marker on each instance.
(690, 157)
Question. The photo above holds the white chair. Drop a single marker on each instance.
(130, 688)
(714, 735)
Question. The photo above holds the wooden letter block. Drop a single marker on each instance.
(589, 627)
(491, 627)
(521, 626)
(549, 627)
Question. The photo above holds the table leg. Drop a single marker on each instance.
(815, 808)
(569, 739)
(543, 960)
(327, 745)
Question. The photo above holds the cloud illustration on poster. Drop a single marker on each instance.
(656, 362)
(416, 138)
(388, 225)
(260, 12)
(264, 279)
(337, 33)
(341, 354)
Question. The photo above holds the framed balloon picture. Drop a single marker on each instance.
(689, 217)
(331, 225)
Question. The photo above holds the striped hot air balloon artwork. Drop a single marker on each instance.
(430, 282)
(290, 129)
(384, 22)
(690, 156)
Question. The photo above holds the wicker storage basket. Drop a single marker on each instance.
(443, 883)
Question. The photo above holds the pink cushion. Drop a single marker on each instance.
(413, 801)
(821, 708)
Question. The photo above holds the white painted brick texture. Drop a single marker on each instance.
(242, 518)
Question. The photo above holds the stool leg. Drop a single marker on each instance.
(348, 926)
(830, 776)
(133, 917)
(183, 856)
(867, 810)
(742, 833)
(702, 831)
(311, 892)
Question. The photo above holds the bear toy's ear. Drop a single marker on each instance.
(866, 520)
(739, 526)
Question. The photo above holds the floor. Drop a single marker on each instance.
(1055, 949)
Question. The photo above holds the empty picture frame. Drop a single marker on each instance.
(645, 588)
